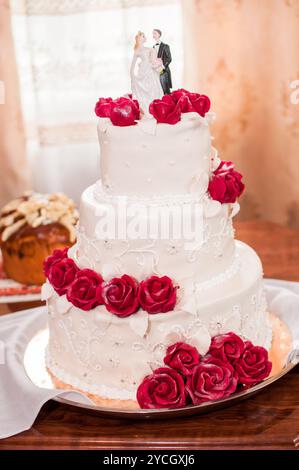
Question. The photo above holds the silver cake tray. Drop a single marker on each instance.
(34, 364)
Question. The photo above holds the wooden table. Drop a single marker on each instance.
(270, 420)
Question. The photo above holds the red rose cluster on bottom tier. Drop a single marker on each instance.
(188, 378)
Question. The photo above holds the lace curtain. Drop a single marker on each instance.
(70, 52)
(14, 174)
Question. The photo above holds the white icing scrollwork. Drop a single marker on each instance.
(47, 291)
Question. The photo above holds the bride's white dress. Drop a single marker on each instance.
(146, 85)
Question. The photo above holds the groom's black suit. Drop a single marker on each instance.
(165, 77)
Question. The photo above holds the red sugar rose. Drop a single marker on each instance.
(177, 94)
(185, 104)
(86, 290)
(181, 97)
(56, 256)
(191, 102)
(253, 366)
(120, 296)
(212, 379)
(182, 357)
(157, 294)
(227, 347)
(165, 110)
(103, 107)
(164, 388)
(226, 185)
(137, 111)
(201, 103)
(124, 112)
(61, 275)
(134, 103)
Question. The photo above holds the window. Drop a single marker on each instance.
(70, 52)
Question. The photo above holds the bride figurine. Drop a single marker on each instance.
(145, 85)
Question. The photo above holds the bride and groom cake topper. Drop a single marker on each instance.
(153, 77)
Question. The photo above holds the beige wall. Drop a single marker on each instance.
(244, 54)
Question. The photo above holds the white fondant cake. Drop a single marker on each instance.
(219, 279)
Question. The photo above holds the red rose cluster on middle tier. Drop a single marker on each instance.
(122, 296)
(226, 183)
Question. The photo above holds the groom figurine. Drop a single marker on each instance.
(163, 53)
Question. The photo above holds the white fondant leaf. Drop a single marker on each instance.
(235, 209)
(72, 252)
(201, 342)
(62, 304)
(187, 300)
(215, 152)
(139, 323)
(47, 291)
(211, 208)
(173, 337)
(215, 161)
(109, 271)
(102, 318)
(198, 336)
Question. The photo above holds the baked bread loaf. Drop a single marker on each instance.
(31, 227)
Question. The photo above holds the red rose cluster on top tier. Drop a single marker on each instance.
(226, 183)
(191, 379)
(123, 111)
(122, 296)
(170, 108)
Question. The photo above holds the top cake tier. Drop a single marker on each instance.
(156, 159)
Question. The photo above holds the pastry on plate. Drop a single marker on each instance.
(31, 227)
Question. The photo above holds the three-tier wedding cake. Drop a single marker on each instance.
(135, 309)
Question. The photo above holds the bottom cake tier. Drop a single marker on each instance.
(108, 357)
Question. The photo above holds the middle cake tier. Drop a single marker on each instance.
(211, 255)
